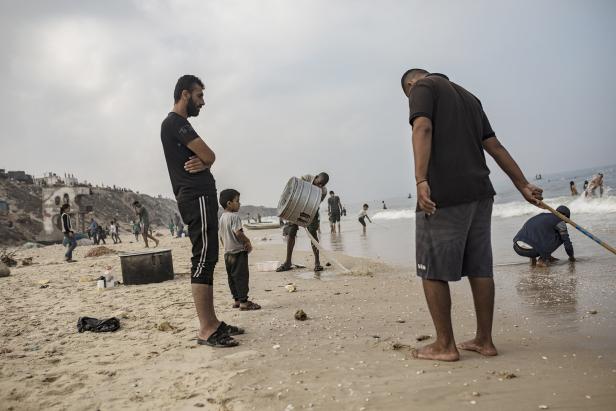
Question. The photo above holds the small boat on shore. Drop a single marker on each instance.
(262, 226)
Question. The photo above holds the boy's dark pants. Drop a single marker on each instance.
(238, 273)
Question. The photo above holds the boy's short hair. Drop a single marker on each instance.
(365, 205)
(331, 192)
(135, 203)
(227, 195)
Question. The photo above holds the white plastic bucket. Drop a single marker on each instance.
(299, 202)
(267, 265)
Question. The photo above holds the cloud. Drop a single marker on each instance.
(296, 87)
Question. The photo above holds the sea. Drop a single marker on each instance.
(558, 298)
(391, 237)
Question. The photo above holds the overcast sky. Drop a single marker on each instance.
(296, 87)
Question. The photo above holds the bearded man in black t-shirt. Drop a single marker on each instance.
(189, 160)
(454, 204)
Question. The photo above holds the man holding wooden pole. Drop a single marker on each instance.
(454, 204)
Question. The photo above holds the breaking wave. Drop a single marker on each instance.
(578, 205)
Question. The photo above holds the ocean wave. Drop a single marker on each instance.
(403, 214)
(577, 205)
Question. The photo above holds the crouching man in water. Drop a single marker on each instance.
(541, 235)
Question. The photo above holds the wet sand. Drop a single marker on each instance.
(351, 353)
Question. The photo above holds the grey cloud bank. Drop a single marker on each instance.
(298, 87)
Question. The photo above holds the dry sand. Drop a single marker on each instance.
(352, 353)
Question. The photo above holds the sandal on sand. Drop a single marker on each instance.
(230, 329)
(236, 304)
(318, 268)
(219, 339)
(284, 268)
(250, 306)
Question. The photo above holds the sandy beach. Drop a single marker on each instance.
(352, 353)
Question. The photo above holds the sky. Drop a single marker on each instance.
(298, 87)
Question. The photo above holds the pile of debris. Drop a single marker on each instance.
(99, 251)
(6, 257)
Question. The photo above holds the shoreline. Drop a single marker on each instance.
(351, 353)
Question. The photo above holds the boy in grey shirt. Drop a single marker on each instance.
(237, 246)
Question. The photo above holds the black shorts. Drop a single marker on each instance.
(201, 215)
(334, 218)
(313, 227)
(455, 242)
(362, 221)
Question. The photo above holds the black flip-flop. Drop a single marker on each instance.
(318, 268)
(250, 306)
(230, 329)
(219, 339)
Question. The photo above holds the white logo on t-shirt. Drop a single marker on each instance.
(421, 267)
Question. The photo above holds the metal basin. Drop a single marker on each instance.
(145, 267)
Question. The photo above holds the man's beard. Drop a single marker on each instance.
(192, 110)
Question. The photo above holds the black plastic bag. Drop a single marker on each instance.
(96, 325)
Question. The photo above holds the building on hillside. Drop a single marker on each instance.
(20, 176)
(49, 180)
(3, 173)
(70, 180)
(80, 200)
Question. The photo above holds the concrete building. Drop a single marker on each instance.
(53, 197)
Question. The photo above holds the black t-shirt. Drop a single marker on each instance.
(457, 170)
(175, 133)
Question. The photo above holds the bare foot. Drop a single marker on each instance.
(542, 263)
(432, 352)
(489, 350)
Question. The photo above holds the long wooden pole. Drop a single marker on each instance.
(579, 228)
(328, 255)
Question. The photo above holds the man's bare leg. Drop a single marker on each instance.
(290, 246)
(439, 302)
(483, 297)
(203, 295)
(533, 261)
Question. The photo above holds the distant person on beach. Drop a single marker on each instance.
(541, 235)
(144, 220)
(113, 232)
(320, 181)
(363, 214)
(69, 234)
(595, 182)
(574, 191)
(384, 205)
(171, 227)
(334, 210)
(189, 160)
(101, 234)
(454, 204)
(117, 230)
(585, 185)
(93, 230)
(237, 247)
(136, 227)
